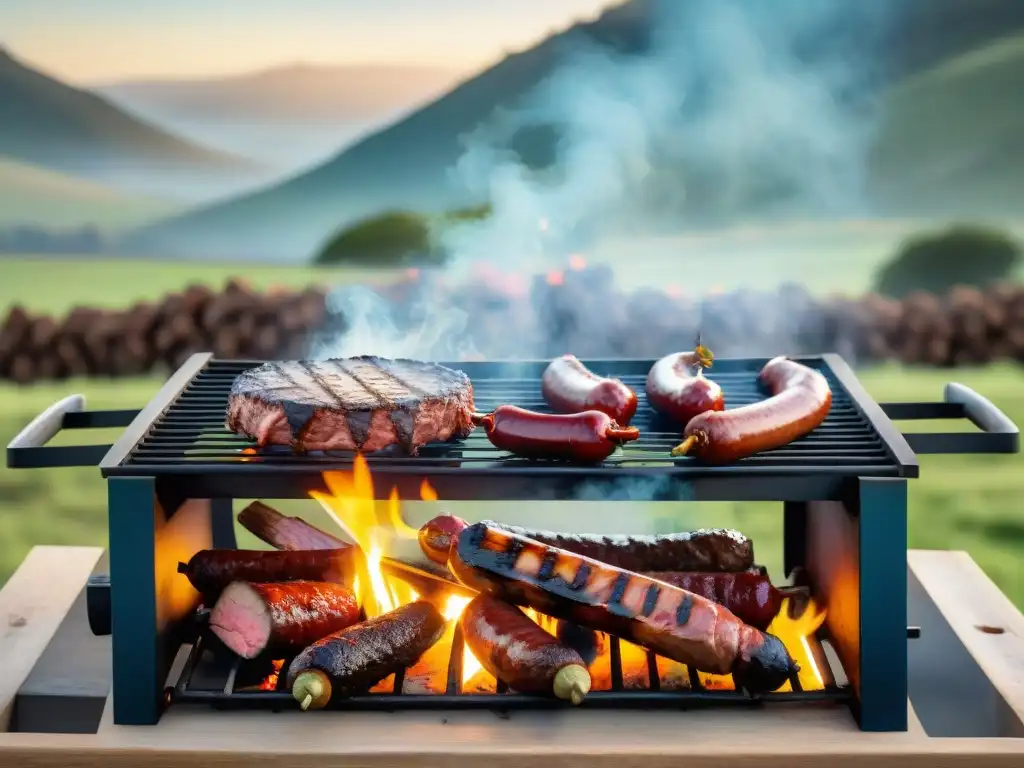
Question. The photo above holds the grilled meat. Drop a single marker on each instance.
(352, 404)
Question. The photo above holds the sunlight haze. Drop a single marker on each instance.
(98, 42)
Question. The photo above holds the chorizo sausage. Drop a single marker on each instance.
(517, 651)
(588, 437)
(677, 388)
(569, 387)
(283, 532)
(670, 621)
(799, 402)
(252, 619)
(437, 536)
(355, 659)
(211, 570)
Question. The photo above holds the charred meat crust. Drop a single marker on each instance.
(211, 570)
(708, 549)
(359, 657)
(358, 403)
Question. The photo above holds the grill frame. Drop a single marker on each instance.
(183, 691)
(201, 386)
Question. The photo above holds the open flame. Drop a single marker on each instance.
(378, 528)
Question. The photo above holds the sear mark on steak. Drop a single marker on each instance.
(353, 404)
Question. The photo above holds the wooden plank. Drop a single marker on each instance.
(33, 603)
(987, 623)
(773, 737)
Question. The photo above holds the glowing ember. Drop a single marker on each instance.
(577, 263)
(556, 277)
(248, 452)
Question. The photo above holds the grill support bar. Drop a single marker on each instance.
(882, 526)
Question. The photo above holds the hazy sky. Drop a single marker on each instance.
(89, 41)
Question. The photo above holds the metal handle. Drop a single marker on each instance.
(998, 432)
(28, 449)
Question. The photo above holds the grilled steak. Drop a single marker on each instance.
(357, 403)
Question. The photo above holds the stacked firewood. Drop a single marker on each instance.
(585, 314)
(236, 322)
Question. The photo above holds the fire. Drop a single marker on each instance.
(247, 452)
(556, 277)
(577, 263)
(795, 633)
(376, 529)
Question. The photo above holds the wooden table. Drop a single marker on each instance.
(988, 626)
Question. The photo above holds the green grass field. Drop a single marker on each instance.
(960, 502)
(55, 284)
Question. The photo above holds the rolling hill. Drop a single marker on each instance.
(408, 163)
(30, 195)
(47, 123)
(288, 116)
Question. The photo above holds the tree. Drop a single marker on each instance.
(959, 255)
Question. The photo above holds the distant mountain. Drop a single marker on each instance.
(48, 123)
(409, 164)
(34, 196)
(287, 116)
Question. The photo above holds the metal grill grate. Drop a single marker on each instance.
(204, 679)
(187, 436)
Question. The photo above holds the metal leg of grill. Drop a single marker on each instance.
(794, 535)
(882, 534)
(223, 521)
(136, 644)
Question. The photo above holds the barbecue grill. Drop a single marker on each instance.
(843, 488)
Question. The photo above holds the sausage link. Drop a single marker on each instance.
(211, 570)
(677, 389)
(252, 619)
(569, 387)
(670, 621)
(355, 659)
(708, 549)
(588, 437)
(437, 536)
(749, 595)
(513, 648)
(799, 402)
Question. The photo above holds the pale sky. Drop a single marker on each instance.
(95, 41)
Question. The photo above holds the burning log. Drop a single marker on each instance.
(284, 532)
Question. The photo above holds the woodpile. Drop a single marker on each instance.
(967, 326)
(236, 323)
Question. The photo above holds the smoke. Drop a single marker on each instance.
(725, 112)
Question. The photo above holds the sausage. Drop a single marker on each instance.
(252, 619)
(677, 389)
(708, 549)
(513, 648)
(799, 401)
(749, 595)
(436, 536)
(670, 621)
(569, 387)
(587, 437)
(283, 532)
(355, 659)
(211, 570)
